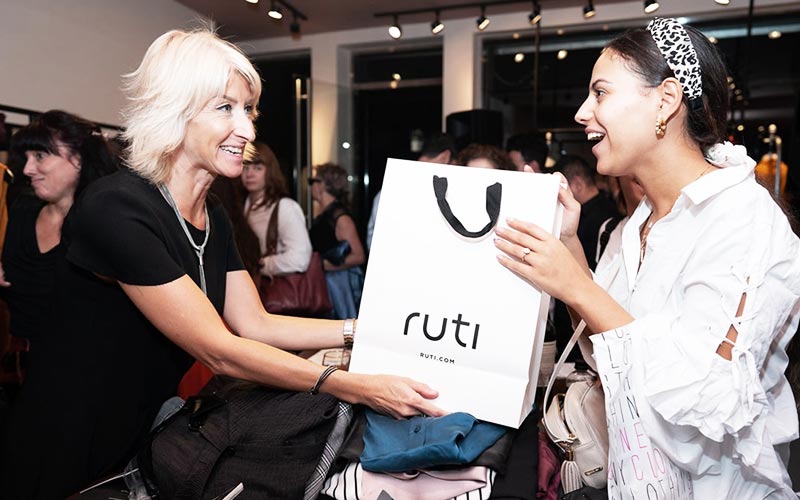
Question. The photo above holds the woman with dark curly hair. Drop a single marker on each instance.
(335, 237)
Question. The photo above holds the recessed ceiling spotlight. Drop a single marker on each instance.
(519, 57)
(713, 39)
(251, 1)
(723, 2)
(774, 34)
(650, 6)
(396, 76)
(562, 54)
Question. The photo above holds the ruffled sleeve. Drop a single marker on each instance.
(699, 405)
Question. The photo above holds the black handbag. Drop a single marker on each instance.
(234, 431)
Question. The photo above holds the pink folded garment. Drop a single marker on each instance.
(424, 484)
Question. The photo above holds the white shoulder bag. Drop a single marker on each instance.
(576, 423)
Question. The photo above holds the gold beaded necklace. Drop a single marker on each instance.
(644, 232)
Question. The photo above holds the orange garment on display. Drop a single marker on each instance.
(766, 169)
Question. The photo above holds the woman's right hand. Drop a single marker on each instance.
(399, 397)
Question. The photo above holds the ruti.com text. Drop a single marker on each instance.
(435, 357)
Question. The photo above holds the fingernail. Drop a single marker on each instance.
(564, 184)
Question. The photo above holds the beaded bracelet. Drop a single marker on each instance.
(349, 332)
(325, 374)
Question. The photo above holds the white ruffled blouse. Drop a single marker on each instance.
(728, 423)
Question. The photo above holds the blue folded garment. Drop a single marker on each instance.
(392, 445)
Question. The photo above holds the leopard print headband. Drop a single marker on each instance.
(674, 44)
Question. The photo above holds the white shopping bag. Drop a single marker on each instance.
(437, 306)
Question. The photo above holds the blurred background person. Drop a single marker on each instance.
(528, 149)
(596, 207)
(485, 156)
(230, 194)
(334, 235)
(63, 154)
(438, 148)
(266, 190)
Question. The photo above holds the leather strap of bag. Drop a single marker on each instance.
(568, 349)
(272, 232)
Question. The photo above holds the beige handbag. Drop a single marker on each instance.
(576, 423)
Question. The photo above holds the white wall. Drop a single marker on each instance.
(69, 54)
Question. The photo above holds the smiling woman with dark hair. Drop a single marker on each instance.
(63, 154)
(689, 322)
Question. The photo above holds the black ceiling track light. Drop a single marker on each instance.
(536, 14)
(276, 9)
(588, 11)
(437, 26)
(482, 22)
(395, 31)
(650, 6)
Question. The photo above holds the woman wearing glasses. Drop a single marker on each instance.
(335, 237)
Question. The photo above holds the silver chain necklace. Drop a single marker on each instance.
(198, 249)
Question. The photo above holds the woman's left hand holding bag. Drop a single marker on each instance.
(555, 265)
(541, 258)
(558, 266)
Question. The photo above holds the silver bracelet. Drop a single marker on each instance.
(325, 374)
(349, 332)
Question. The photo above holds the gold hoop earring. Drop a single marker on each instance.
(661, 126)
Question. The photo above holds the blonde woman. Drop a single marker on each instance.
(154, 278)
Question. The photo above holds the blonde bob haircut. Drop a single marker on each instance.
(180, 73)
